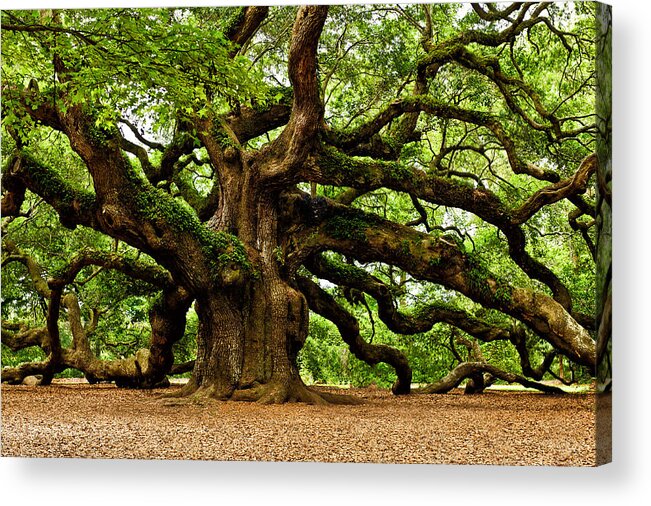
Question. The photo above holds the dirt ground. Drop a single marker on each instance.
(101, 421)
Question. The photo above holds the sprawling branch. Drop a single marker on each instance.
(74, 206)
(136, 132)
(421, 321)
(181, 144)
(18, 336)
(129, 208)
(584, 228)
(369, 238)
(468, 369)
(15, 375)
(146, 369)
(19, 25)
(349, 140)
(34, 269)
(33, 103)
(361, 140)
(496, 15)
(333, 167)
(149, 366)
(518, 338)
(182, 368)
(135, 269)
(324, 304)
(427, 316)
(248, 123)
(445, 51)
(574, 185)
(510, 87)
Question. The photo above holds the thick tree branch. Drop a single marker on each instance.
(496, 15)
(369, 238)
(324, 304)
(445, 51)
(349, 140)
(468, 369)
(584, 228)
(427, 316)
(17, 336)
(182, 368)
(75, 207)
(518, 339)
(333, 167)
(129, 208)
(550, 123)
(150, 144)
(423, 319)
(149, 366)
(248, 123)
(575, 185)
(146, 369)
(136, 269)
(13, 190)
(245, 26)
(34, 269)
(298, 138)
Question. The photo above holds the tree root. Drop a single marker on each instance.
(275, 392)
(292, 391)
(191, 393)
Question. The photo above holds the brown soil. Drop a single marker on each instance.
(101, 421)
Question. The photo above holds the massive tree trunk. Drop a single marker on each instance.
(248, 341)
(250, 334)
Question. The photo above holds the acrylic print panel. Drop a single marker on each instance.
(348, 233)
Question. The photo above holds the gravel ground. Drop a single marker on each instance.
(101, 421)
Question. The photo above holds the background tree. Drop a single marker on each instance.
(428, 165)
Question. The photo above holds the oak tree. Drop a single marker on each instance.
(433, 162)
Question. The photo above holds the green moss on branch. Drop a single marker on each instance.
(343, 169)
(351, 224)
(224, 250)
(48, 183)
